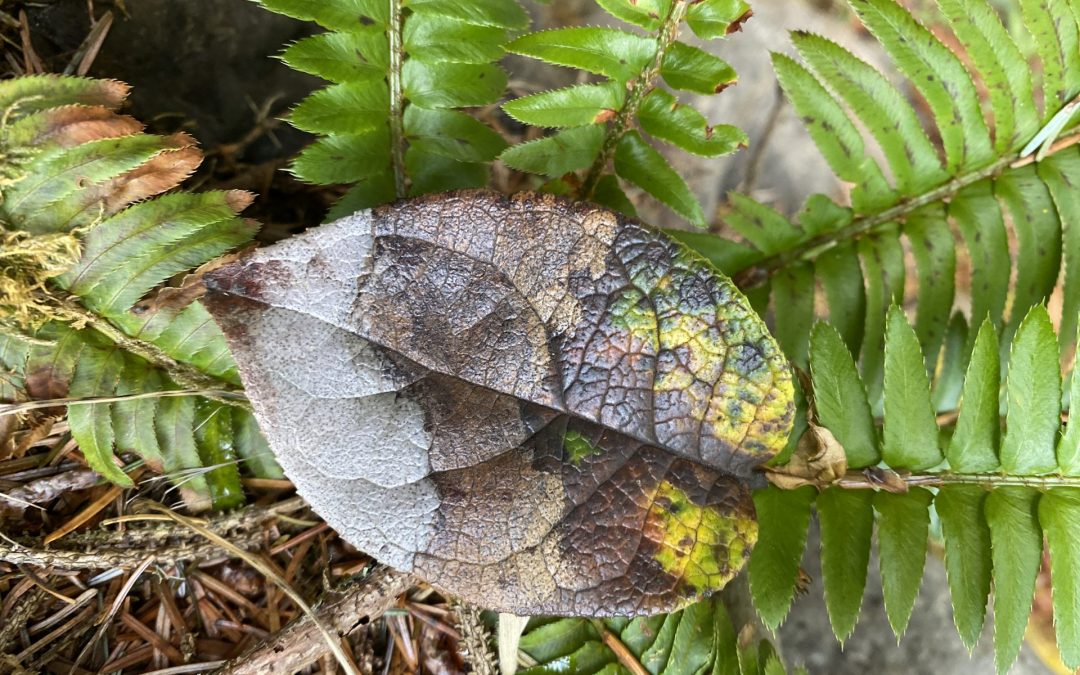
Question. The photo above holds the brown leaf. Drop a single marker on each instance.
(69, 126)
(605, 115)
(737, 24)
(161, 173)
(818, 460)
(536, 405)
(9, 424)
(42, 490)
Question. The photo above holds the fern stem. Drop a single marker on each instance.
(758, 273)
(860, 480)
(397, 98)
(475, 639)
(182, 374)
(667, 34)
(622, 652)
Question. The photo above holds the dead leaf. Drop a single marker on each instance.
(818, 460)
(159, 174)
(536, 405)
(73, 125)
(43, 490)
(884, 479)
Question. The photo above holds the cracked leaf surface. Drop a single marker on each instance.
(536, 405)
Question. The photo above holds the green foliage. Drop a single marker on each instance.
(387, 123)
(641, 164)
(1059, 514)
(597, 121)
(847, 524)
(968, 558)
(575, 106)
(963, 201)
(910, 434)
(990, 496)
(1016, 544)
(698, 639)
(977, 433)
(76, 166)
(1034, 398)
(882, 386)
(841, 398)
(783, 517)
(976, 414)
(903, 525)
(562, 153)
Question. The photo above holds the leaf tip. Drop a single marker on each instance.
(737, 24)
(238, 200)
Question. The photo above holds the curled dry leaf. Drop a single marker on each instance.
(536, 405)
(818, 460)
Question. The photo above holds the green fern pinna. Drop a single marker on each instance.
(952, 416)
(78, 262)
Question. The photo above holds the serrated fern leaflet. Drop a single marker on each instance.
(390, 123)
(85, 315)
(603, 122)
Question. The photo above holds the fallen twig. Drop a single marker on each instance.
(169, 543)
(626, 657)
(344, 609)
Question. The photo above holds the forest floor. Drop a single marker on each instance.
(94, 583)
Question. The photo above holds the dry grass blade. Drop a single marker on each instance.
(86, 514)
(103, 549)
(16, 408)
(59, 633)
(88, 51)
(44, 585)
(266, 570)
(143, 631)
(299, 539)
(204, 667)
(403, 640)
(32, 63)
(80, 602)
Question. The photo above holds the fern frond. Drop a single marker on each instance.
(629, 102)
(387, 124)
(997, 492)
(74, 174)
(977, 198)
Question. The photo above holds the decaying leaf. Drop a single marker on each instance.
(818, 460)
(538, 406)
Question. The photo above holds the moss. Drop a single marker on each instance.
(27, 262)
